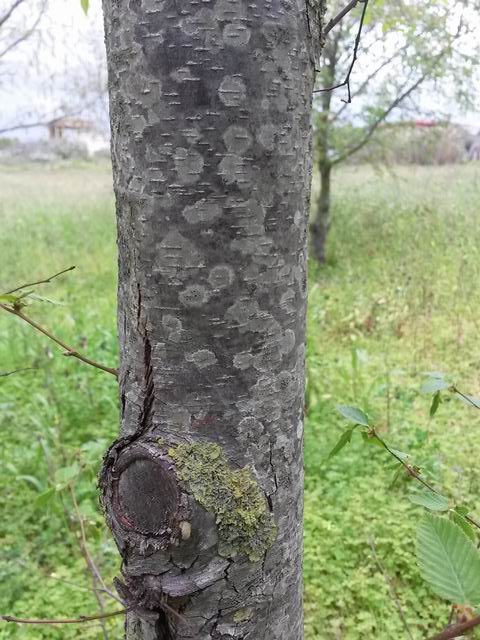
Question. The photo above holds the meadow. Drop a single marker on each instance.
(399, 296)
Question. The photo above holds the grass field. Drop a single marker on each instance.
(399, 296)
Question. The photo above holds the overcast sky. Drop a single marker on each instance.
(64, 67)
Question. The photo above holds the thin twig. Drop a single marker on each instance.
(10, 373)
(414, 473)
(346, 82)
(456, 630)
(69, 351)
(391, 587)
(85, 551)
(45, 281)
(466, 398)
(94, 572)
(99, 616)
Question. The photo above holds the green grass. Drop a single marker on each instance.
(399, 296)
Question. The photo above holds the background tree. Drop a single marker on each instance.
(210, 112)
(403, 46)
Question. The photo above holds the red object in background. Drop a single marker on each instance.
(425, 123)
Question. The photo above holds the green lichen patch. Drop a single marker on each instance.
(244, 522)
(242, 615)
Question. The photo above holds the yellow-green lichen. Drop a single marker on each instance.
(244, 522)
(242, 615)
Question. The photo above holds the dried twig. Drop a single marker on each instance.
(98, 616)
(346, 82)
(456, 630)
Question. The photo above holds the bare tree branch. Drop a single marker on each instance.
(370, 131)
(365, 84)
(9, 11)
(340, 15)
(346, 82)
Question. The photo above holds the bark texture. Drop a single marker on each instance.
(210, 108)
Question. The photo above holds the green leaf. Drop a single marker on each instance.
(353, 414)
(65, 474)
(435, 403)
(8, 297)
(430, 500)
(465, 526)
(44, 498)
(372, 440)
(32, 480)
(33, 296)
(85, 4)
(435, 384)
(448, 560)
(343, 440)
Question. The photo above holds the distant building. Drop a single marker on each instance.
(78, 131)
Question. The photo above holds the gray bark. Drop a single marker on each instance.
(210, 107)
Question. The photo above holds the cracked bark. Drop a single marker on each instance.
(210, 107)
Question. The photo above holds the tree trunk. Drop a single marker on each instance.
(210, 107)
(320, 226)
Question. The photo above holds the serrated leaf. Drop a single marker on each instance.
(430, 500)
(448, 560)
(465, 526)
(85, 4)
(435, 384)
(353, 414)
(435, 403)
(342, 442)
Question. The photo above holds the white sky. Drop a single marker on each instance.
(65, 64)
(62, 65)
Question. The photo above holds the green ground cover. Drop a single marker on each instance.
(399, 296)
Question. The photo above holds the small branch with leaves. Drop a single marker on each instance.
(15, 300)
(447, 550)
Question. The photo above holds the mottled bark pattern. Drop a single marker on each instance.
(210, 108)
